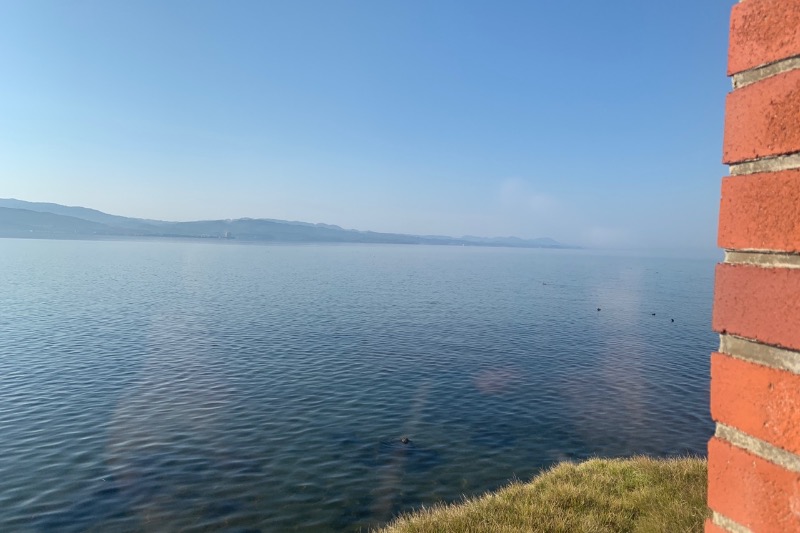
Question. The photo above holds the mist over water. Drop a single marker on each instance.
(171, 385)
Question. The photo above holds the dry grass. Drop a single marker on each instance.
(601, 495)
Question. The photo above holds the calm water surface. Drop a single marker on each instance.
(220, 387)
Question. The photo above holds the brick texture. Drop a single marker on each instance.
(711, 527)
(761, 119)
(763, 31)
(761, 212)
(752, 491)
(758, 303)
(761, 401)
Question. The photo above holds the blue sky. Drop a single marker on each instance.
(595, 123)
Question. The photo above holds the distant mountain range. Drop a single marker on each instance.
(45, 220)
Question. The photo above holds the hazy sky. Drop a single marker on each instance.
(595, 123)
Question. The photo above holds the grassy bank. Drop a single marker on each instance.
(601, 495)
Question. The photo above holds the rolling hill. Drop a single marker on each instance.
(36, 219)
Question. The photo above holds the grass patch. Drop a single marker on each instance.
(640, 494)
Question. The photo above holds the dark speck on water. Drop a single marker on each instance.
(192, 386)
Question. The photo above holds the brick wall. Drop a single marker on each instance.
(754, 457)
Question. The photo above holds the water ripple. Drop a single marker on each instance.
(179, 386)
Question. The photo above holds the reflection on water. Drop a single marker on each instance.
(168, 386)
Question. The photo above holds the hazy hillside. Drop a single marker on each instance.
(83, 213)
(24, 221)
(20, 218)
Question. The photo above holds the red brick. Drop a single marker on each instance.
(763, 31)
(758, 303)
(761, 401)
(762, 119)
(761, 212)
(711, 527)
(752, 491)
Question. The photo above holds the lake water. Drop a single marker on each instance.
(197, 386)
